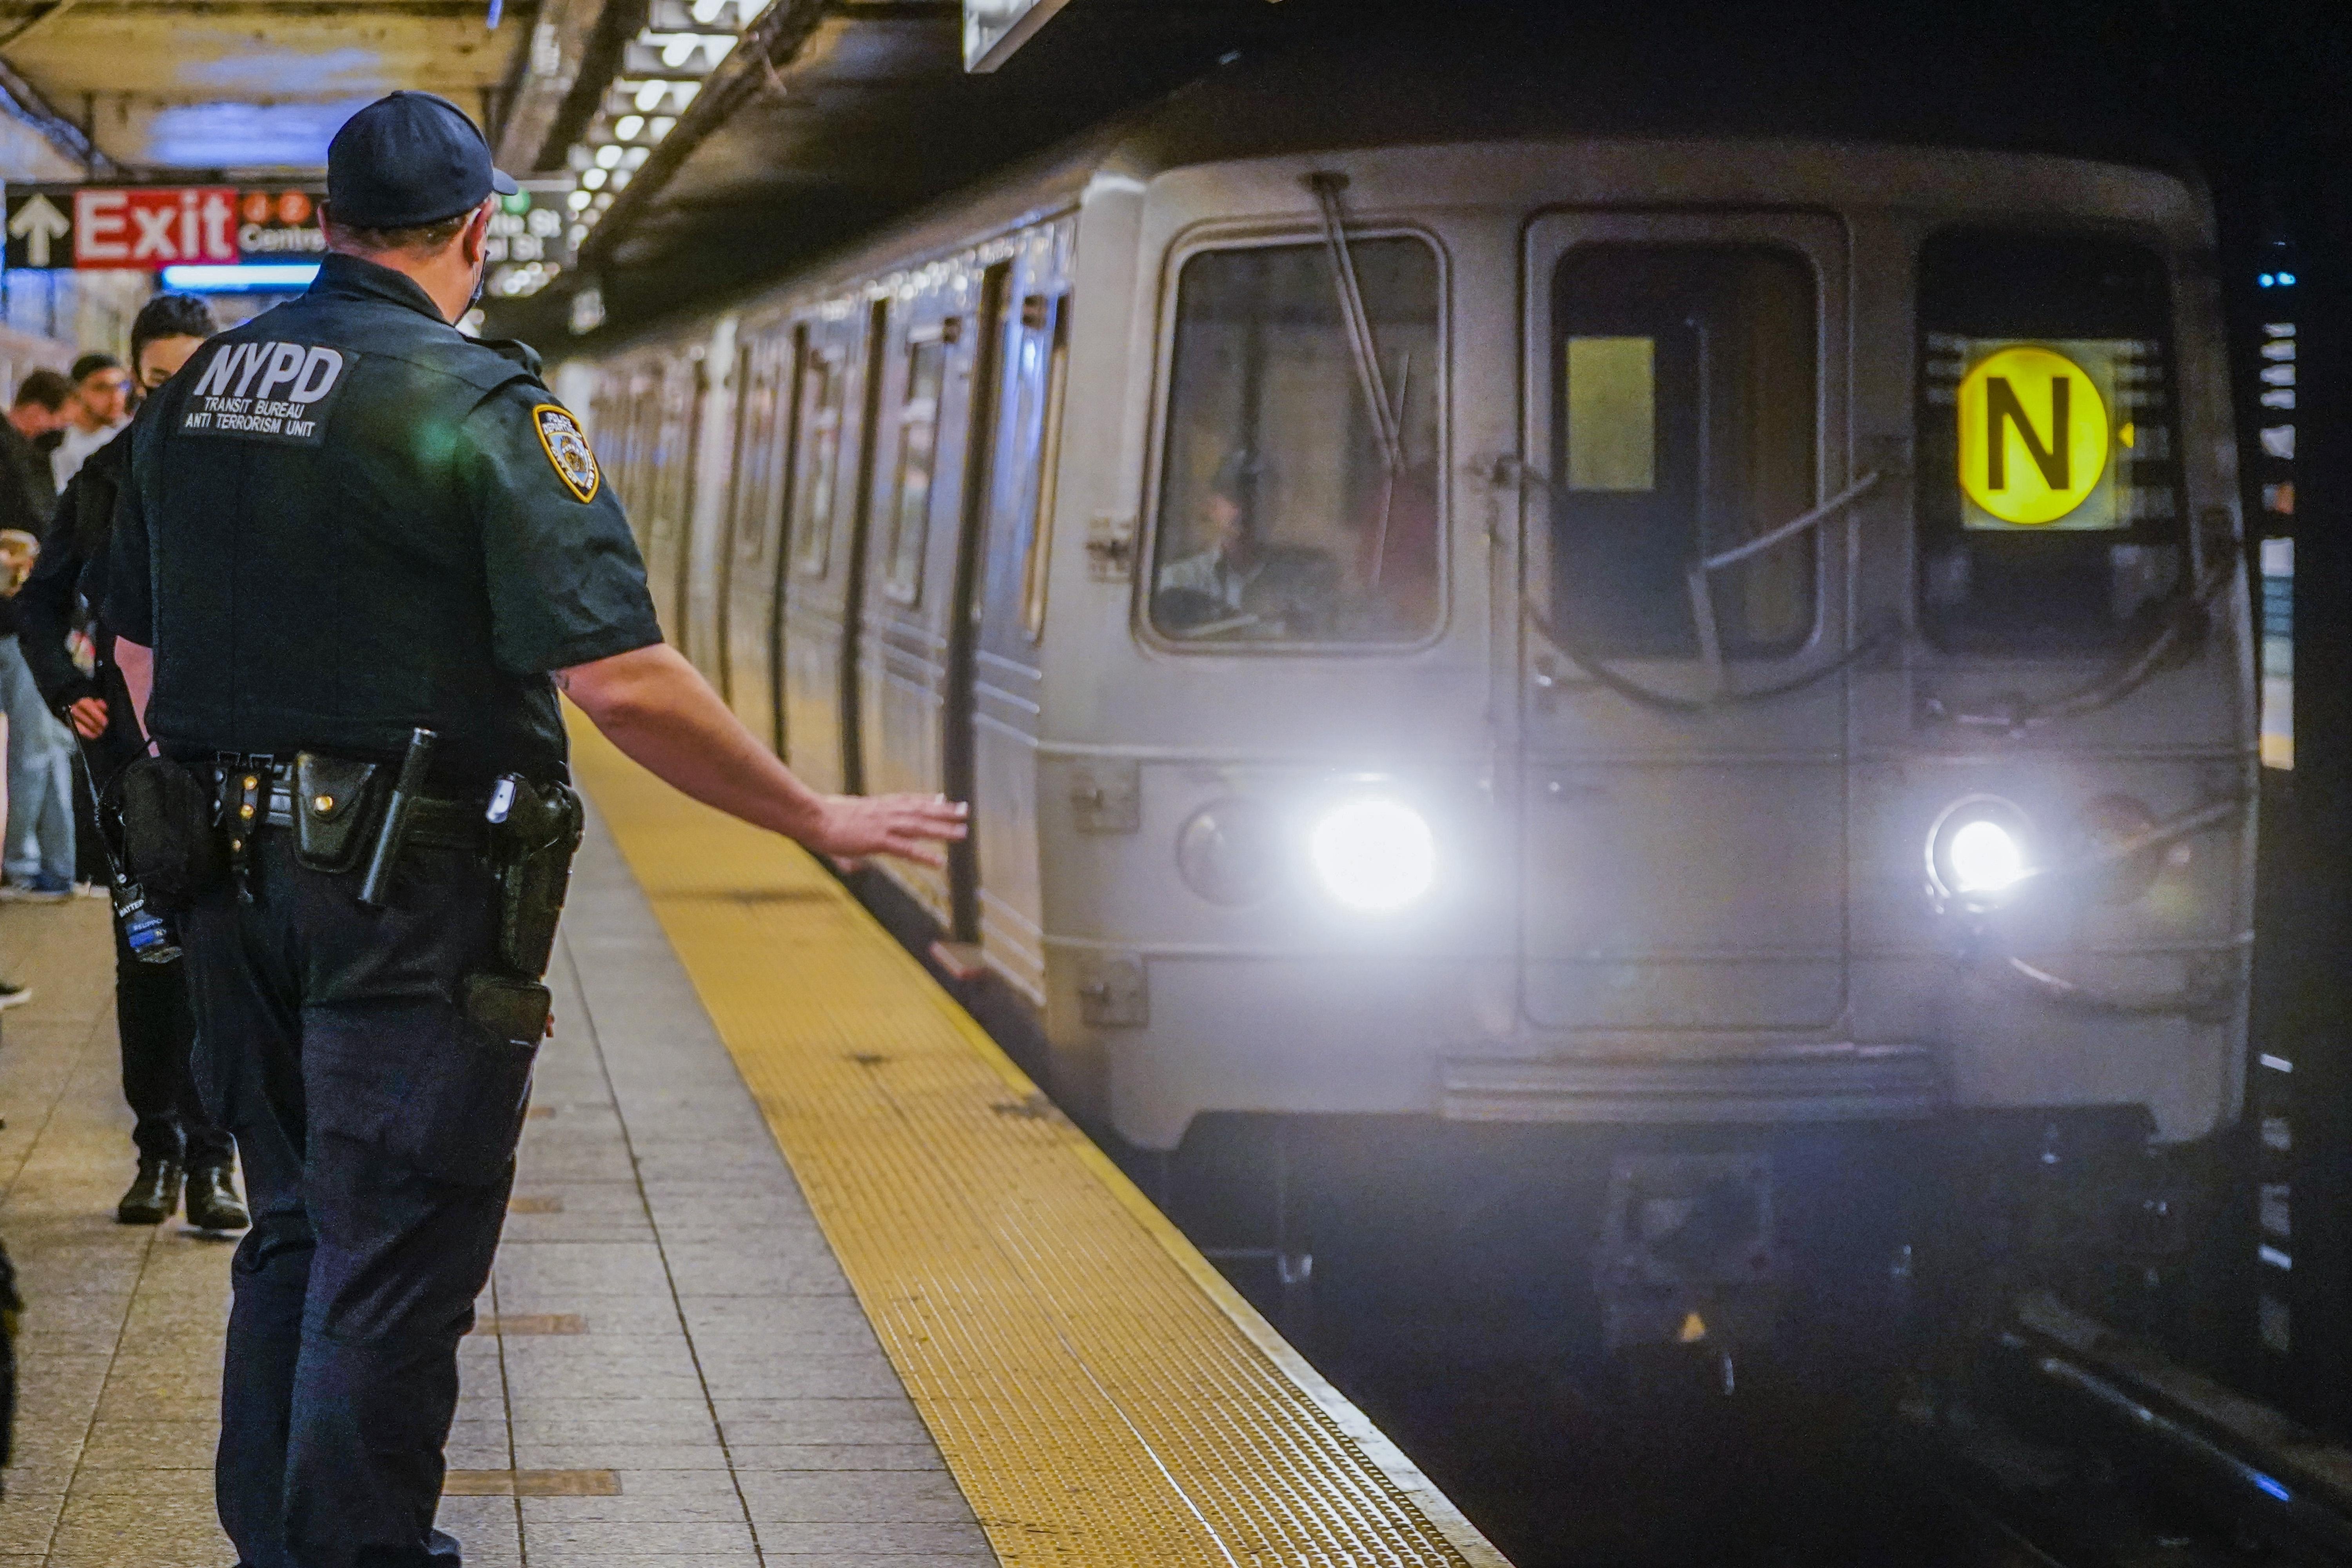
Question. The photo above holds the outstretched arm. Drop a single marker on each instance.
(657, 707)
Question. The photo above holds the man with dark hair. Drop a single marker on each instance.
(175, 1139)
(28, 492)
(101, 408)
(359, 546)
(38, 852)
(28, 499)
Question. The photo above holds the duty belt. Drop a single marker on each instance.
(434, 824)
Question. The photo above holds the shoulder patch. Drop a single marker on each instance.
(567, 450)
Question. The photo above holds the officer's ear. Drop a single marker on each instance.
(475, 237)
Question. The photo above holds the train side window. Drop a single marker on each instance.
(743, 474)
(1044, 334)
(762, 462)
(2050, 508)
(918, 440)
(644, 428)
(1283, 516)
(1684, 423)
(818, 463)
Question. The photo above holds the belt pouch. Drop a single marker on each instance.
(334, 802)
(170, 846)
(534, 874)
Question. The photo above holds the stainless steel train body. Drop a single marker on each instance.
(1662, 680)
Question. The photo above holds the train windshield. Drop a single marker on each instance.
(2050, 509)
(1684, 423)
(1285, 517)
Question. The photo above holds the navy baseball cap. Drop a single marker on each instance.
(407, 160)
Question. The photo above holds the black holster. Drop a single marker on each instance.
(531, 850)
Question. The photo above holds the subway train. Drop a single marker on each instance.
(1687, 681)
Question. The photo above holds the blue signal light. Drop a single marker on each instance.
(254, 275)
(2286, 279)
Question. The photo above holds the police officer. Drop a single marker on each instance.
(348, 523)
(174, 1136)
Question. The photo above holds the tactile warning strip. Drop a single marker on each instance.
(1101, 1395)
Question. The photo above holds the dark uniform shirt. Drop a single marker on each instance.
(346, 520)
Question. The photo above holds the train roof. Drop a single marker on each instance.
(1842, 86)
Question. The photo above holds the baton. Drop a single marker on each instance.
(376, 890)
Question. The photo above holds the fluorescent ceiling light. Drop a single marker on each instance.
(254, 275)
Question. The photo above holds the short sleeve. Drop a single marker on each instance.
(566, 583)
(129, 607)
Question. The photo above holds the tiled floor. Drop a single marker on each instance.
(670, 1367)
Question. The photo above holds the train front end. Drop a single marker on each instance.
(1707, 680)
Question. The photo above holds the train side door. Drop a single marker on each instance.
(977, 426)
(1682, 830)
(826, 401)
(1004, 682)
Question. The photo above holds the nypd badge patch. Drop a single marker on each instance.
(567, 450)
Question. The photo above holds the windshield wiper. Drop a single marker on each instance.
(1388, 416)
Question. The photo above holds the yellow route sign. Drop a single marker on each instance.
(2037, 439)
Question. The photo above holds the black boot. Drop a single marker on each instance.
(153, 1195)
(213, 1202)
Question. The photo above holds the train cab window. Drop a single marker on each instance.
(817, 461)
(1284, 516)
(918, 440)
(2050, 509)
(1684, 423)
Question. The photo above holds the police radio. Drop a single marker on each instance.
(145, 933)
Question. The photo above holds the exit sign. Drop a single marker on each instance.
(141, 229)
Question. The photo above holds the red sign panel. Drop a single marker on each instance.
(151, 227)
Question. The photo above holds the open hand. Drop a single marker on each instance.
(89, 716)
(909, 826)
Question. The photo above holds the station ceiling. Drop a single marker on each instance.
(259, 86)
(833, 117)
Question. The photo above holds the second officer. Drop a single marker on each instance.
(358, 555)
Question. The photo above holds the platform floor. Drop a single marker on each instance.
(800, 1270)
(670, 1368)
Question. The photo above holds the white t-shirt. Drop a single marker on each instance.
(75, 449)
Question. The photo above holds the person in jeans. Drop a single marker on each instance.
(37, 853)
(176, 1140)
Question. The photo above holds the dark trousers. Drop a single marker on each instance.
(157, 1029)
(378, 1129)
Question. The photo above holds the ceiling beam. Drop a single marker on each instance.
(25, 103)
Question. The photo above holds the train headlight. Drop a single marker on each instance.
(1986, 858)
(1373, 854)
(1979, 851)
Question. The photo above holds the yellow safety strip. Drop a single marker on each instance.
(1103, 1397)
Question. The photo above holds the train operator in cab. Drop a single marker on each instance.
(1237, 583)
(359, 556)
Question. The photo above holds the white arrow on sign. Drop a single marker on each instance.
(36, 223)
